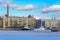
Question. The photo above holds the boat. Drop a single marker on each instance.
(26, 28)
(54, 29)
(41, 28)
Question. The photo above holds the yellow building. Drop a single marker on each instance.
(18, 22)
(51, 23)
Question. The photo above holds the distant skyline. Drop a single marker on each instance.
(37, 8)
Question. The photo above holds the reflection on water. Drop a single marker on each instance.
(29, 35)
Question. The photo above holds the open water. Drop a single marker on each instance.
(29, 35)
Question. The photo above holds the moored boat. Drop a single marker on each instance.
(41, 28)
(26, 28)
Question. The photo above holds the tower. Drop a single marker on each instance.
(7, 15)
(7, 10)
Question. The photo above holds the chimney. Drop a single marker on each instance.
(7, 10)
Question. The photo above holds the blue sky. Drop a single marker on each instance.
(20, 8)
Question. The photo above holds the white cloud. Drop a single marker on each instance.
(18, 7)
(52, 8)
(36, 17)
(29, 7)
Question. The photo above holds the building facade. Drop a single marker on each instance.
(51, 23)
(17, 22)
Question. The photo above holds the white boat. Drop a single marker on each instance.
(26, 28)
(41, 28)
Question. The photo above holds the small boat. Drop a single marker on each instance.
(54, 29)
(41, 28)
(26, 28)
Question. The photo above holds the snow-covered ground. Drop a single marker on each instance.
(29, 35)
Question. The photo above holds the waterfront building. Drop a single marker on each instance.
(17, 22)
(38, 23)
(51, 23)
(14, 22)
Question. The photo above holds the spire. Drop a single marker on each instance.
(54, 18)
(51, 18)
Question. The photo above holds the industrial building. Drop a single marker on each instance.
(14, 22)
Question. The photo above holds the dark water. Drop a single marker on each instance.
(29, 35)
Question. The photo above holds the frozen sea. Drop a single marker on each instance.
(29, 35)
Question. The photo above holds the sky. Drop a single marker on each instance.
(37, 8)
